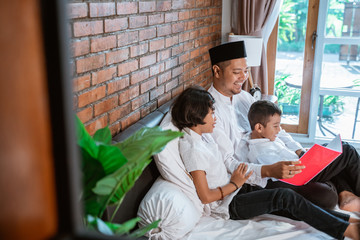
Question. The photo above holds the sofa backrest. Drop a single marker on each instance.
(131, 202)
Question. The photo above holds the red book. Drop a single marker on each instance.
(315, 160)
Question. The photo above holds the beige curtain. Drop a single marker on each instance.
(250, 17)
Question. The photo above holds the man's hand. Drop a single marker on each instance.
(282, 169)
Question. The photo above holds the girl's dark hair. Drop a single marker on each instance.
(191, 107)
(260, 112)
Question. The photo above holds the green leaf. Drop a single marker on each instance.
(111, 158)
(85, 140)
(125, 227)
(141, 231)
(103, 136)
(146, 142)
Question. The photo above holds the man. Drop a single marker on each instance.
(231, 107)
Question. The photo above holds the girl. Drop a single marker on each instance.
(228, 196)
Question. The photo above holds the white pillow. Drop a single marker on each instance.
(171, 167)
(167, 202)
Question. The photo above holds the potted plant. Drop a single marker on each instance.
(289, 99)
(110, 170)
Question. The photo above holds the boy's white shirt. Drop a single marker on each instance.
(200, 152)
(232, 125)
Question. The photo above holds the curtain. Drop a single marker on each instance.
(256, 18)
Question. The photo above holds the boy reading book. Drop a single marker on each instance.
(263, 146)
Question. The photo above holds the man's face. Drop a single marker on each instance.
(230, 79)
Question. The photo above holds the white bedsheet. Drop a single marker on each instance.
(263, 227)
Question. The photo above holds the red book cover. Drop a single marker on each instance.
(315, 160)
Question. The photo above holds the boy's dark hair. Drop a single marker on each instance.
(191, 107)
(260, 112)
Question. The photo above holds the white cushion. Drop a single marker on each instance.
(167, 202)
(171, 167)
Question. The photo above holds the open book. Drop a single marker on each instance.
(315, 160)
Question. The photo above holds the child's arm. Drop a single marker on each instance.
(207, 195)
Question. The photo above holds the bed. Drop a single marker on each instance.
(163, 191)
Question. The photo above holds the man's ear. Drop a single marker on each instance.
(258, 127)
(216, 70)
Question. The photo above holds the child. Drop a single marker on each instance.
(228, 195)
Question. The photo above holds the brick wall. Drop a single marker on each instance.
(130, 57)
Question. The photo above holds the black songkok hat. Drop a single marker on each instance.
(227, 51)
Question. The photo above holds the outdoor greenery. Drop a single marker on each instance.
(110, 171)
(293, 20)
(289, 99)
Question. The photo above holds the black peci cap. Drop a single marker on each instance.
(227, 51)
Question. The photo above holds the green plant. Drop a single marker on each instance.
(110, 171)
(292, 96)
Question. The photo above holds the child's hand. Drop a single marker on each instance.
(239, 176)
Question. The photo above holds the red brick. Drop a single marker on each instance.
(157, 92)
(102, 9)
(163, 6)
(127, 67)
(96, 125)
(139, 50)
(81, 83)
(156, 69)
(177, 4)
(188, 46)
(164, 77)
(177, 71)
(127, 38)
(176, 91)
(183, 37)
(147, 60)
(119, 112)
(184, 57)
(189, 25)
(164, 99)
(117, 85)
(91, 96)
(131, 119)
(146, 34)
(171, 17)
(88, 28)
(138, 102)
(165, 54)
(171, 85)
(117, 24)
(148, 108)
(189, 3)
(77, 10)
(117, 56)
(85, 115)
(137, 21)
(103, 43)
(194, 34)
(127, 8)
(171, 63)
(177, 50)
(146, 86)
(139, 76)
(194, 53)
(147, 6)
(156, 45)
(129, 94)
(106, 105)
(103, 75)
(178, 27)
(171, 41)
(204, 13)
(80, 48)
(184, 15)
(163, 30)
(115, 128)
(204, 31)
(156, 19)
(90, 63)
(195, 14)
